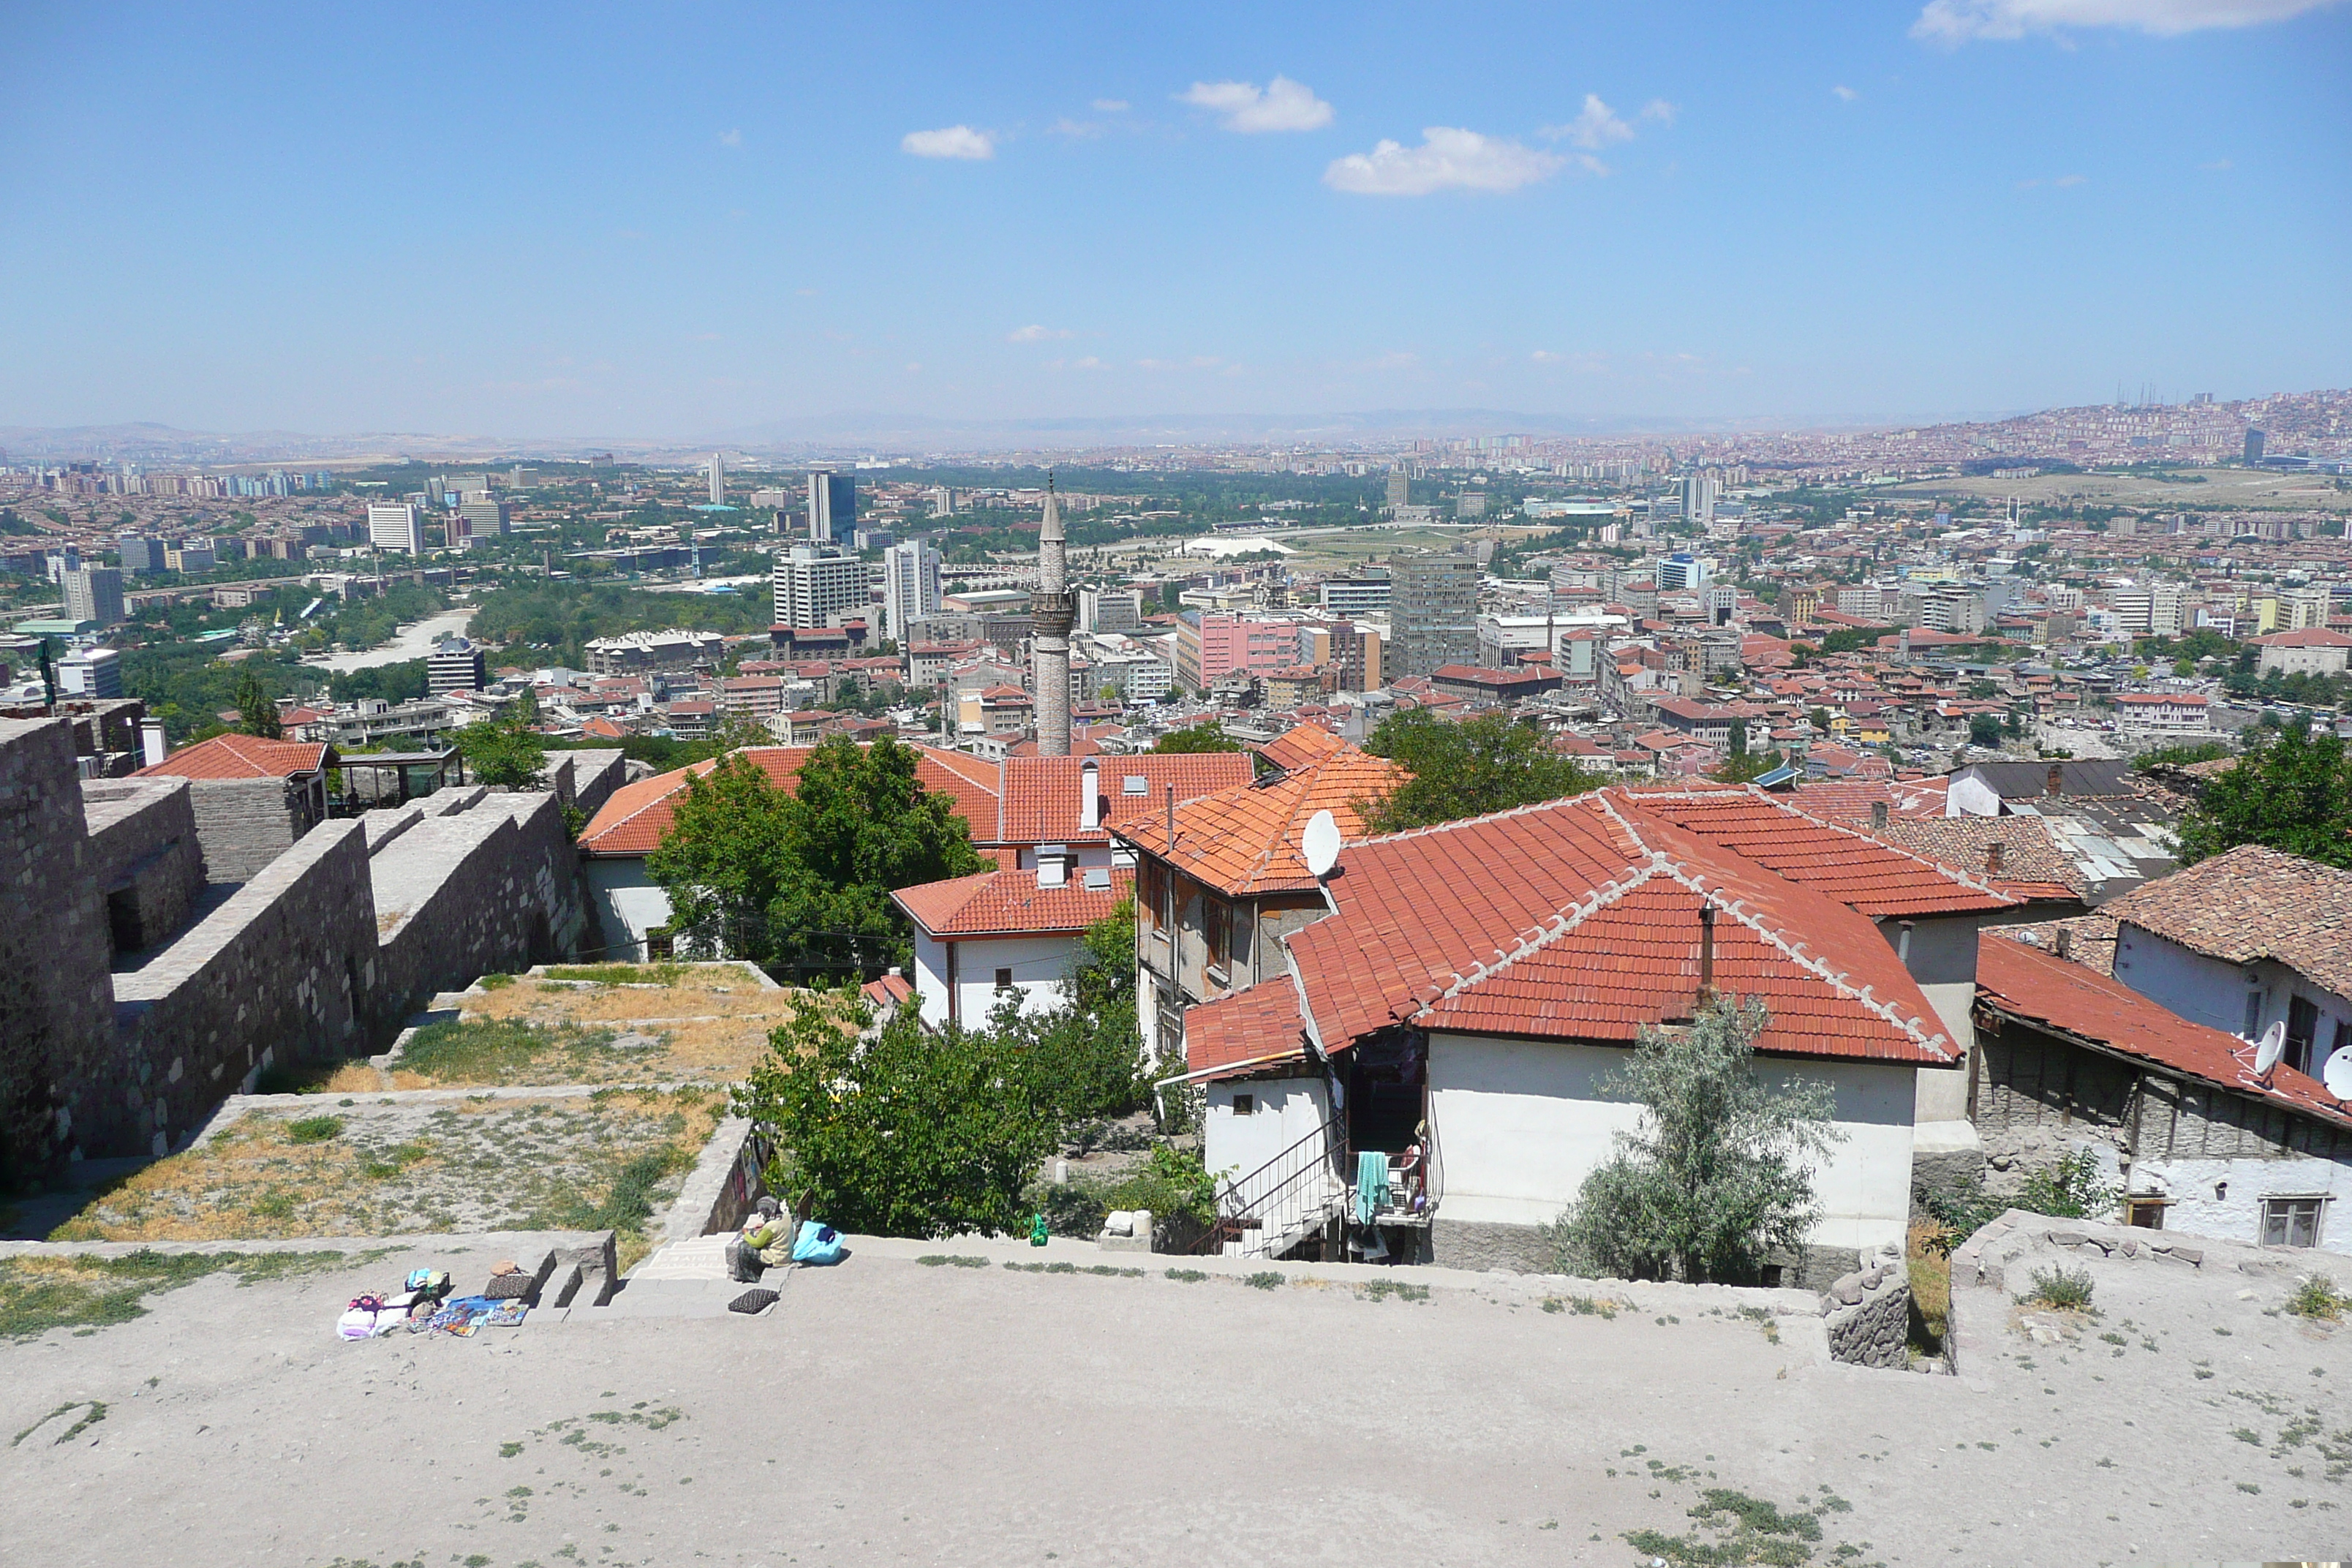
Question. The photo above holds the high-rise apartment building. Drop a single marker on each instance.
(2255, 446)
(1699, 498)
(1400, 489)
(910, 587)
(139, 553)
(456, 663)
(716, 469)
(1106, 611)
(833, 506)
(820, 587)
(94, 594)
(1356, 595)
(483, 518)
(392, 525)
(1433, 611)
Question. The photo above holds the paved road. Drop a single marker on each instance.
(415, 643)
(888, 1412)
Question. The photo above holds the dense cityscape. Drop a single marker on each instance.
(1177, 786)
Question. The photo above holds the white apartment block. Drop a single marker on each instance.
(392, 525)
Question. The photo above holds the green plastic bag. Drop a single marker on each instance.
(1037, 1231)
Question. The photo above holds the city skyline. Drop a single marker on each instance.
(1880, 213)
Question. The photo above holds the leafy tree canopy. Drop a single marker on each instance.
(1489, 763)
(1715, 1177)
(2289, 791)
(801, 880)
(256, 713)
(504, 752)
(1208, 737)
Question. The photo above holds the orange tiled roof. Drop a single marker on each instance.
(2037, 987)
(633, 819)
(1580, 921)
(1043, 797)
(1257, 1025)
(1010, 903)
(1876, 879)
(1299, 745)
(241, 757)
(1246, 841)
(2251, 903)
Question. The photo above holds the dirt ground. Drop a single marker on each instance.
(402, 1166)
(888, 1412)
(664, 1024)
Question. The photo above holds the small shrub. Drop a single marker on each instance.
(2059, 1287)
(1268, 1280)
(314, 1130)
(274, 1206)
(496, 981)
(2317, 1297)
(951, 1259)
(1186, 1276)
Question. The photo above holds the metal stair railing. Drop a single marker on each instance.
(1279, 1195)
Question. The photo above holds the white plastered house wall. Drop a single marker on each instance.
(1037, 968)
(2241, 999)
(1281, 1112)
(2225, 1198)
(1520, 1123)
(628, 904)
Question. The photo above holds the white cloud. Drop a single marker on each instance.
(1845, 94)
(1955, 22)
(1282, 105)
(1089, 362)
(1659, 110)
(952, 142)
(2216, 166)
(1447, 159)
(2065, 180)
(1597, 126)
(1110, 106)
(730, 139)
(1034, 333)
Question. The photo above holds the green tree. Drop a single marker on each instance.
(256, 713)
(1741, 766)
(898, 1132)
(802, 881)
(1489, 763)
(1984, 730)
(1716, 1176)
(504, 752)
(1208, 737)
(2288, 791)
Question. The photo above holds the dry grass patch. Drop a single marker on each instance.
(1931, 1285)
(588, 1162)
(712, 1025)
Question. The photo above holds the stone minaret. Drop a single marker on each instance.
(1054, 612)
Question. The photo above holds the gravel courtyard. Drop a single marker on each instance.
(890, 1412)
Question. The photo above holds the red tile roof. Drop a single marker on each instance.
(632, 821)
(1579, 920)
(241, 757)
(1853, 868)
(1010, 903)
(1043, 797)
(1246, 841)
(2037, 987)
(1252, 1027)
(2310, 636)
(2254, 903)
(1299, 745)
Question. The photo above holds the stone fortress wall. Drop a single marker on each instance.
(135, 993)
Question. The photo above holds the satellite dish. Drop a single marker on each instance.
(2267, 1054)
(2339, 1074)
(1320, 843)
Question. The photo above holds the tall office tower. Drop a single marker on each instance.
(1053, 610)
(2253, 446)
(1433, 611)
(910, 588)
(717, 470)
(392, 525)
(1400, 489)
(816, 585)
(833, 506)
(1699, 498)
(94, 594)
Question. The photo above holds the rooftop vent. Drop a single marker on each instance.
(1097, 879)
(1135, 783)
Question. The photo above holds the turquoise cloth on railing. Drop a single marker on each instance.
(1371, 1184)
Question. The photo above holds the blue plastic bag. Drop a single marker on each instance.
(817, 1244)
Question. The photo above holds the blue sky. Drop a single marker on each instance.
(675, 221)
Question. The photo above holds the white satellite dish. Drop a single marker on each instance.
(2273, 1046)
(1320, 843)
(2338, 1075)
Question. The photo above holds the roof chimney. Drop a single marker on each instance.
(1705, 954)
(2057, 781)
(1877, 814)
(1089, 796)
(1172, 821)
(1994, 854)
(2065, 941)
